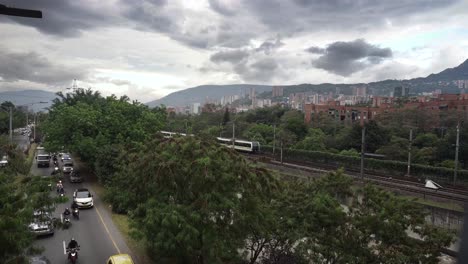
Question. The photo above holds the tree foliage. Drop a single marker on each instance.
(97, 127)
(194, 198)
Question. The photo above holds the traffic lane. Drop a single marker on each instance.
(91, 230)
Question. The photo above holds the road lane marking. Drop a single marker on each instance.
(64, 248)
(107, 230)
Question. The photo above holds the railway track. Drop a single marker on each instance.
(413, 184)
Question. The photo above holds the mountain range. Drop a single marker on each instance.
(429, 83)
(36, 100)
(442, 80)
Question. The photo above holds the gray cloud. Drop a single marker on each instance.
(262, 70)
(30, 66)
(231, 56)
(316, 15)
(221, 8)
(316, 50)
(152, 15)
(62, 18)
(268, 46)
(345, 58)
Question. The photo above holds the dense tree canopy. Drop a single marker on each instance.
(194, 198)
(97, 127)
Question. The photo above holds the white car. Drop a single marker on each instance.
(83, 198)
(43, 223)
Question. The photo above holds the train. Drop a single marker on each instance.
(239, 145)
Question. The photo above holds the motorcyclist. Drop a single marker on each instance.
(66, 213)
(72, 245)
(74, 205)
(59, 186)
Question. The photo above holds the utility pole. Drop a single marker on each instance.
(233, 133)
(34, 128)
(409, 152)
(274, 138)
(281, 155)
(11, 125)
(363, 141)
(457, 145)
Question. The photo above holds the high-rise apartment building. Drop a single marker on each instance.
(277, 91)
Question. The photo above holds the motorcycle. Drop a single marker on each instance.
(66, 222)
(73, 254)
(76, 213)
(61, 192)
(55, 171)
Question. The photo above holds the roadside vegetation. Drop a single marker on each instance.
(20, 196)
(190, 200)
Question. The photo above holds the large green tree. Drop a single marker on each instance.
(193, 198)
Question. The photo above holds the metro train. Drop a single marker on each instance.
(239, 145)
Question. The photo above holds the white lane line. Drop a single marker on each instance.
(64, 248)
(61, 219)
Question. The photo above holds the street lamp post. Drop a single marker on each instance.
(11, 125)
(457, 145)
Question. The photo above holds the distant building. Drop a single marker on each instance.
(360, 90)
(195, 108)
(400, 91)
(277, 91)
(228, 99)
(263, 103)
(350, 114)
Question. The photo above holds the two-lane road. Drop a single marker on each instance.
(94, 231)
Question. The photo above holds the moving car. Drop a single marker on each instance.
(120, 259)
(83, 198)
(75, 177)
(43, 223)
(65, 156)
(67, 166)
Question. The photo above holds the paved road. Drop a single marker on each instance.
(94, 231)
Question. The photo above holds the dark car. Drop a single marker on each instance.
(75, 177)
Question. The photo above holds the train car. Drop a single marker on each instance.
(240, 145)
(167, 134)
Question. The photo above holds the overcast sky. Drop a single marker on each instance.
(149, 48)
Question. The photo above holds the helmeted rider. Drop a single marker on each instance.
(66, 213)
(59, 185)
(72, 244)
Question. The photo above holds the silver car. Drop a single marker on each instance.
(67, 166)
(43, 224)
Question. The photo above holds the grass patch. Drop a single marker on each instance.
(137, 247)
(30, 157)
(448, 205)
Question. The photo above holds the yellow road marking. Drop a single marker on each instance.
(107, 230)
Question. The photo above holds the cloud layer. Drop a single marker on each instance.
(156, 46)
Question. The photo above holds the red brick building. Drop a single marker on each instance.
(361, 114)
